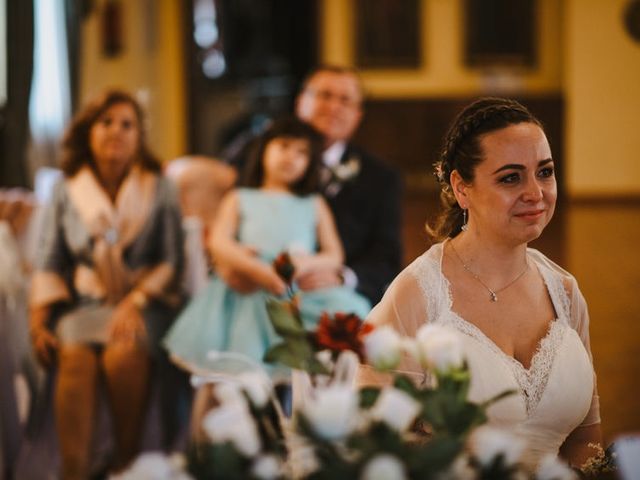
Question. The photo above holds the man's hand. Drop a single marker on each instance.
(318, 278)
(127, 323)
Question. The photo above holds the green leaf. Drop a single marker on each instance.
(296, 352)
(460, 419)
(218, 461)
(284, 321)
(432, 413)
(315, 366)
(368, 396)
(436, 455)
(405, 384)
(285, 354)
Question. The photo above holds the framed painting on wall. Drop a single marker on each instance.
(387, 34)
(500, 33)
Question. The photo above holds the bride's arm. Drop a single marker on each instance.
(576, 450)
(403, 307)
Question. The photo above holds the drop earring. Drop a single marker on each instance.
(464, 226)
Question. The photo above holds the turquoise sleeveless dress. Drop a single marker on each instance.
(219, 318)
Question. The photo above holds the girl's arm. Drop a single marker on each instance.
(235, 256)
(330, 255)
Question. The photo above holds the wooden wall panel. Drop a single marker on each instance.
(408, 133)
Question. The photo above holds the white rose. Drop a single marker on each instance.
(552, 468)
(233, 422)
(460, 469)
(266, 467)
(487, 443)
(258, 387)
(439, 347)
(410, 346)
(396, 408)
(154, 466)
(333, 411)
(325, 357)
(383, 467)
(383, 347)
(229, 393)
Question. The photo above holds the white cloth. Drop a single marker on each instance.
(331, 156)
(555, 395)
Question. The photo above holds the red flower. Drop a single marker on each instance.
(284, 267)
(343, 332)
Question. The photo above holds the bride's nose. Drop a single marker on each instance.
(533, 191)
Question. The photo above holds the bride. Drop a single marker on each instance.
(523, 320)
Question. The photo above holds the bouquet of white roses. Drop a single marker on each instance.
(410, 428)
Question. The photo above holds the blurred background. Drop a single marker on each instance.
(209, 71)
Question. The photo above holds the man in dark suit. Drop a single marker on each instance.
(363, 193)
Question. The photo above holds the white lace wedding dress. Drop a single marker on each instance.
(556, 393)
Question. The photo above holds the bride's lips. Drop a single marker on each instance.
(531, 214)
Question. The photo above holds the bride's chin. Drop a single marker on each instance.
(532, 233)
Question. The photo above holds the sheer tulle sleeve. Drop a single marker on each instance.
(403, 307)
(579, 320)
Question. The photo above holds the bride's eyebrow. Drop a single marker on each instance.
(517, 166)
(510, 166)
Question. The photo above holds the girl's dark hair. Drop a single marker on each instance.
(76, 149)
(291, 127)
(462, 152)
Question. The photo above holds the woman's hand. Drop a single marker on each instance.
(127, 322)
(43, 340)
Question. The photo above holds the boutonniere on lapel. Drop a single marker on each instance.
(342, 173)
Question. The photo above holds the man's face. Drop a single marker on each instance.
(331, 102)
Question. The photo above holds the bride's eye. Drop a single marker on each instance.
(510, 178)
(546, 172)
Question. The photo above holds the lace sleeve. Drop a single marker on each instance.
(579, 320)
(404, 308)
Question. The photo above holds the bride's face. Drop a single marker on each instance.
(513, 194)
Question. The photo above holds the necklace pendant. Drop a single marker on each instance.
(494, 297)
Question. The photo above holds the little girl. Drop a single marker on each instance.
(277, 211)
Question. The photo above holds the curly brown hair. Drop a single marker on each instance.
(76, 149)
(462, 152)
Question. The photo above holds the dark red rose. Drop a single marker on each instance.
(284, 267)
(342, 332)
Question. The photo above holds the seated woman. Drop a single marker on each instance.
(522, 318)
(106, 277)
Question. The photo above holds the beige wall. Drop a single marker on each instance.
(150, 64)
(602, 92)
(443, 71)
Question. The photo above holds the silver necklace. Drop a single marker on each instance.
(493, 294)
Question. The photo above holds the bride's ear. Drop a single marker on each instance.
(459, 189)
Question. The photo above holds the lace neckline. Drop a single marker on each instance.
(533, 380)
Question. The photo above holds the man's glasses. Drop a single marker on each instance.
(328, 96)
